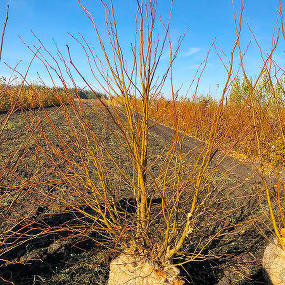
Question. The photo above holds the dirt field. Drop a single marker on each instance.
(233, 256)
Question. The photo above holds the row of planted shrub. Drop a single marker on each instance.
(241, 127)
(31, 96)
(34, 96)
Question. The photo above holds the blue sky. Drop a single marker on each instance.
(204, 19)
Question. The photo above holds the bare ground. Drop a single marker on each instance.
(234, 258)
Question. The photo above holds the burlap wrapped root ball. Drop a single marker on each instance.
(274, 263)
(133, 270)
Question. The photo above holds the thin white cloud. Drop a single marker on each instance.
(191, 51)
(193, 67)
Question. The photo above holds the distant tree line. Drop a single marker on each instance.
(88, 94)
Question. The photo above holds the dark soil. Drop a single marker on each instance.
(66, 257)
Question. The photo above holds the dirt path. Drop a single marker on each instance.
(240, 170)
